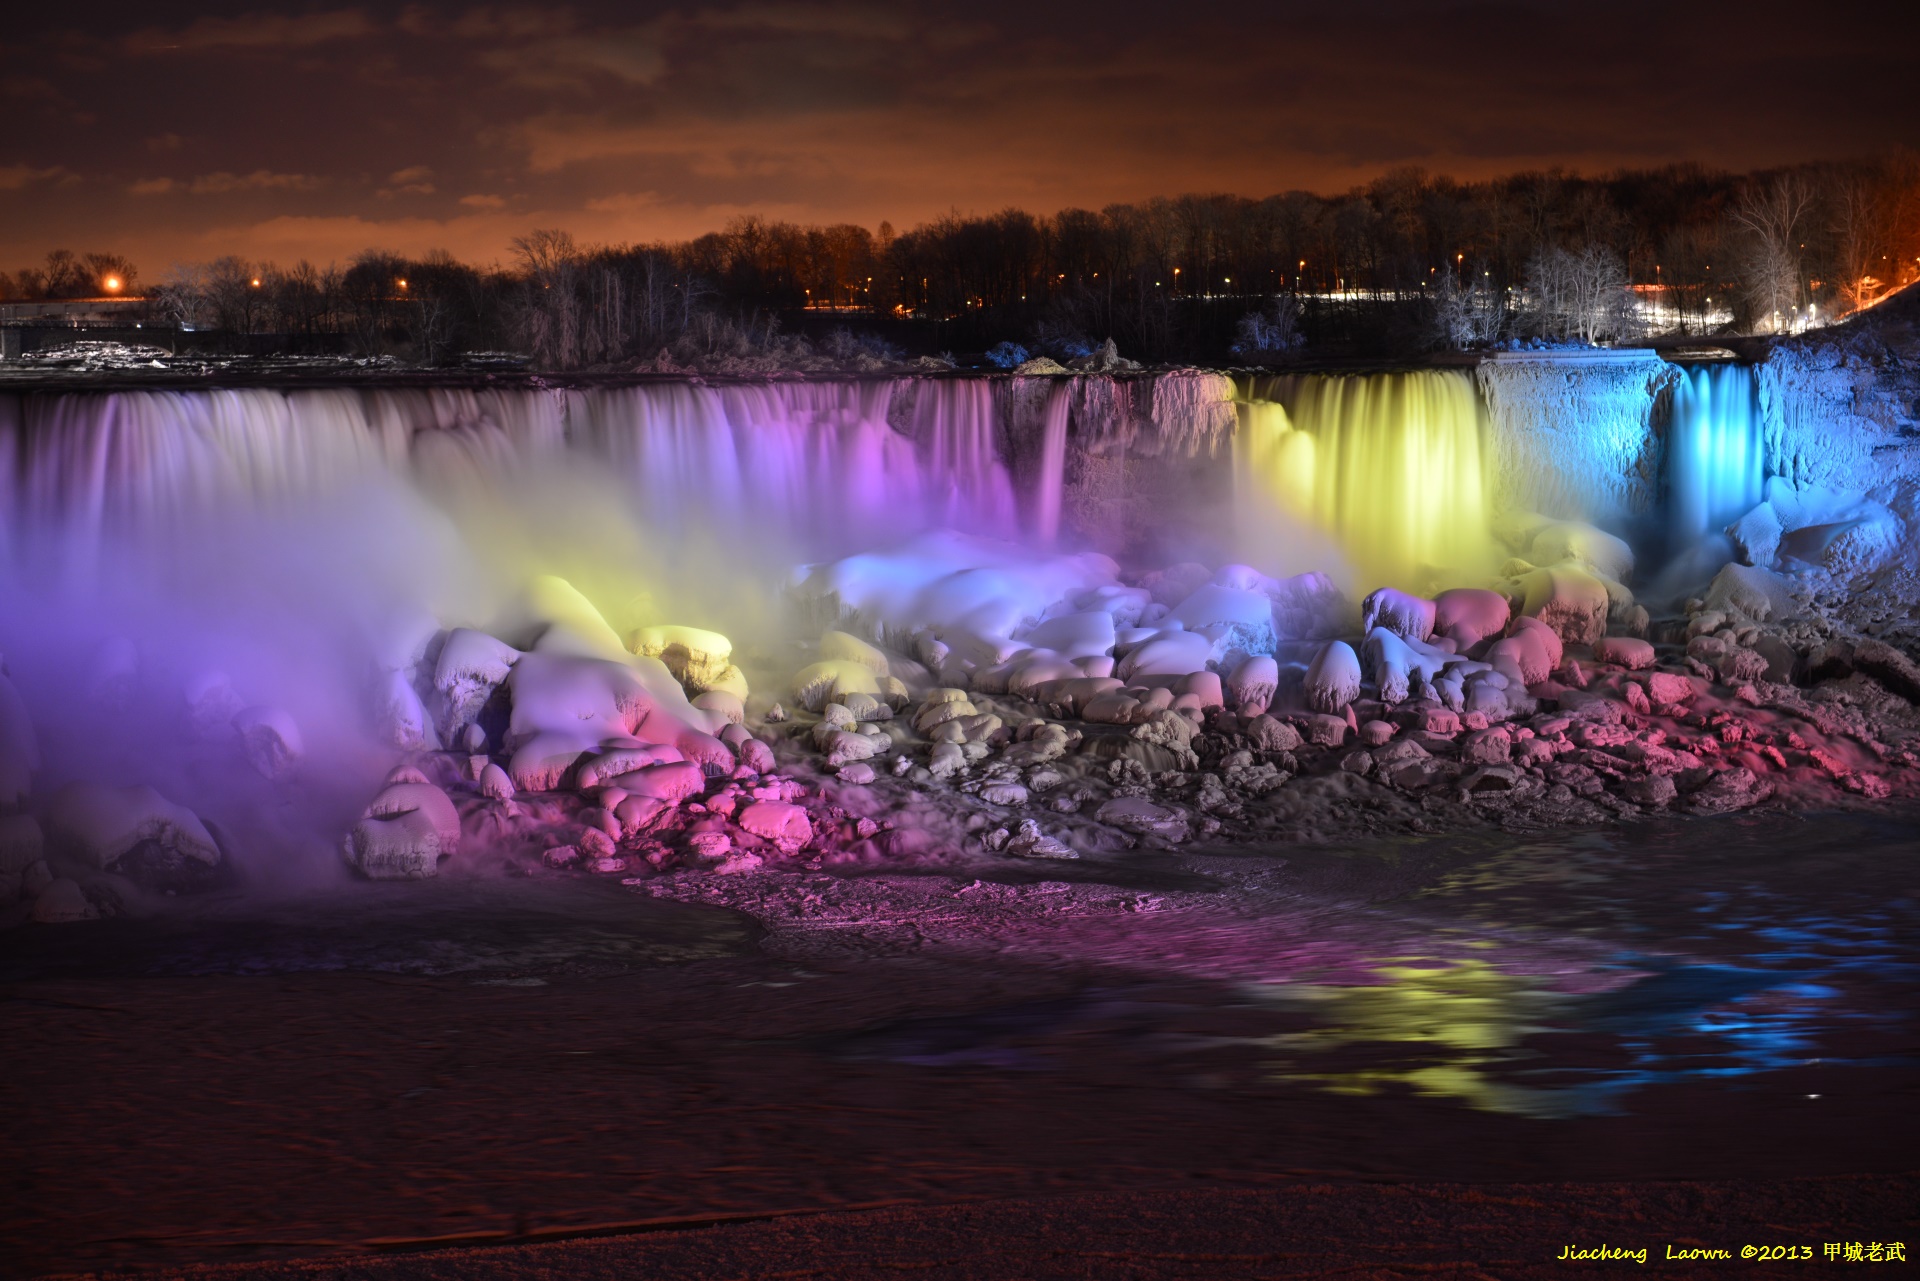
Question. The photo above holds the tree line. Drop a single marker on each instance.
(1411, 261)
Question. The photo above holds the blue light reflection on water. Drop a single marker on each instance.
(1747, 979)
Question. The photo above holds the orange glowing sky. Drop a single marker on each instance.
(179, 132)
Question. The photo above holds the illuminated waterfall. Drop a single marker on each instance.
(1050, 482)
(1385, 472)
(1716, 465)
(805, 469)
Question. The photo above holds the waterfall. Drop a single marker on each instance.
(1385, 472)
(810, 469)
(1050, 481)
(1716, 466)
(813, 469)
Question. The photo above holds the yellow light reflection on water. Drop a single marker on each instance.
(1442, 1027)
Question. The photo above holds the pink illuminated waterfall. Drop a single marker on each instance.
(1050, 482)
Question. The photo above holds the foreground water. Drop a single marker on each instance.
(1702, 999)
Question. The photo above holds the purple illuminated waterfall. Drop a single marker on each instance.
(1050, 483)
(811, 469)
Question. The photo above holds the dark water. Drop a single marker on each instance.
(1545, 977)
(498, 929)
(1707, 952)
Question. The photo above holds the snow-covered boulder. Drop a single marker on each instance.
(698, 658)
(1573, 542)
(1398, 612)
(818, 684)
(1239, 618)
(1168, 653)
(1569, 600)
(211, 704)
(404, 833)
(1333, 677)
(133, 830)
(271, 740)
(1398, 666)
(1468, 615)
(1756, 535)
(471, 666)
(1251, 686)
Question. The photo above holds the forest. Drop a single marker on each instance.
(1409, 263)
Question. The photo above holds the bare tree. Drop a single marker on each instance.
(1582, 295)
(183, 297)
(1468, 314)
(1771, 221)
(550, 306)
(235, 293)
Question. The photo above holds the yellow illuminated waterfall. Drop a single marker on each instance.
(1385, 471)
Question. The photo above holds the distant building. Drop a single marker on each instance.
(51, 322)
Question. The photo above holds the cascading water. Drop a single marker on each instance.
(1716, 463)
(1050, 481)
(308, 545)
(1385, 472)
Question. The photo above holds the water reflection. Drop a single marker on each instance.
(1741, 949)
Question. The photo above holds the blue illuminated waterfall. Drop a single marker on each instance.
(1716, 466)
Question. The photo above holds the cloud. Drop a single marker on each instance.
(476, 237)
(255, 31)
(220, 184)
(629, 57)
(216, 184)
(15, 177)
(415, 180)
(483, 202)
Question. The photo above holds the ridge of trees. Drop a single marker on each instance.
(1409, 261)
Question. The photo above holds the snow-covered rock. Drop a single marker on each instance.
(1569, 600)
(1333, 677)
(132, 829)
(1398, 612)
(271, 740)
(404, 833)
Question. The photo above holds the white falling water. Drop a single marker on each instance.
(803, 469)
(1050, 482)
(1380, 479)
(1716, 465)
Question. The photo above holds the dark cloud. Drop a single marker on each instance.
(324, 129)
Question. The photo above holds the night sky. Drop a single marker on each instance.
(177, 132)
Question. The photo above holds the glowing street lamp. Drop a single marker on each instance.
(113, 284)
